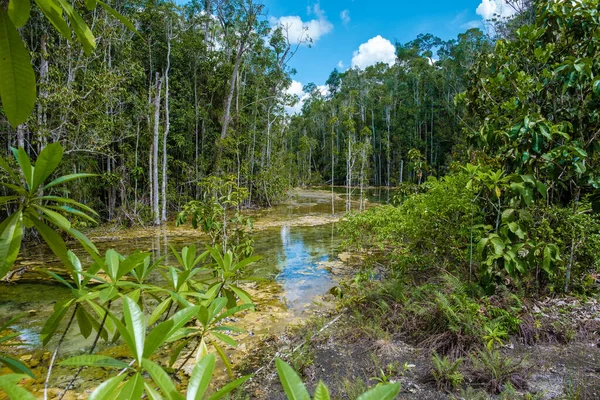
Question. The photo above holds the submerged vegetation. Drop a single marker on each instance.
(491, 142)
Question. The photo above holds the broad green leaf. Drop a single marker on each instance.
(85, 326)
(11, 234)
(223, 358)
(25, 164)
(157, 337)
(159, 311)
(90, 4)
(10, 383)
(229, 388)
(52, 323)
(67, 201)
(54, 241)
(67, 178)
(161, 379)
(54, 217)
(94, 360)
(8, 199)
(133, 388)
(108, 389)
(46, 163)
(225, 339)
(18, 88)
(291, 382)
(54, 14)
(118, 16)
(321, 392)
(15, 365)
(81, 29)
(200, 378)
(385, 392)
(136, 326)
(18, 11)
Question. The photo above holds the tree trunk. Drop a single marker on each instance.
(155, 144)
(163, 215)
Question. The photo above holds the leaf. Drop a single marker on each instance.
(53, 13)
(85, 326)
(67, 178)
(15, 365)
(108, 389)
(321, 392)
(229, 387)
(18, 11)
(11, 234)
(54, 241)
(133, 388)
(225, 339)
(162, 379)
(136, 326)
(242, 294)
(90, 4)
(10, 383)
(159, 310)
(82, 31)
(291, 382)
(52, 323)
(18, 88)
(200, 378)
(55, 218)
(385, 392)
(46, 163)
(94, 360)
(118, 16)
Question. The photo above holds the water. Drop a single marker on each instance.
(297, 242)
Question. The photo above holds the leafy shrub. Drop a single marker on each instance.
(445, 372)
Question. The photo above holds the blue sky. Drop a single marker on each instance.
(349, 33)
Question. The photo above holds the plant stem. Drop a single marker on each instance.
(188, 357)
(90, 352)
(62, 338)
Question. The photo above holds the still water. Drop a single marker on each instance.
(297, 241)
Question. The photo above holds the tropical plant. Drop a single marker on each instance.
(36, 206)
(18, 91)
(295, 390)
(446, 372)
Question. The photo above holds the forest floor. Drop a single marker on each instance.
(351, 351)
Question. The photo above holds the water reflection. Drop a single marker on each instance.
(302, 275)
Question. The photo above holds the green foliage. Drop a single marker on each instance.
(494, 370)
(211, 214)
(36, 207)
(295, 390)
(18, 91)
(428, 230)
(446, 373)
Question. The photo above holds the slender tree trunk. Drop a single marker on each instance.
(163, 216)
(155, 144)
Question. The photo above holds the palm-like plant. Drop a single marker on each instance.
(132, 382)
(37, 207)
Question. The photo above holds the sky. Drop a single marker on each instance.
(359, 33)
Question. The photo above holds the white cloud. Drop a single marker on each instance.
(491, 8)
(340, 64)
(296, 89)
(345, 16)
(375, 50)
(299, 31)
(471, 24)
